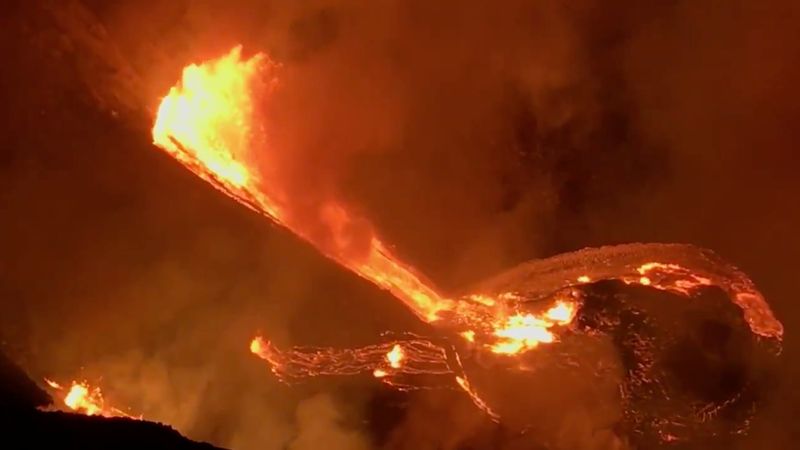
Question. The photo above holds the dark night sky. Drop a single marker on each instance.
(476, 137)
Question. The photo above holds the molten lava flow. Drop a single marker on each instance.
(396, 363)
(463, 383)
(210, 122)
(205, 122)
(525, 332)
(84, 399)
(677, 268)
(395, 356)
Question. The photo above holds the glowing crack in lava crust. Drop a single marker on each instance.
(209, 121)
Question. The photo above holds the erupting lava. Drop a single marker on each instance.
(522, 332)
(207, 123)
(210, 123)
(84, 399)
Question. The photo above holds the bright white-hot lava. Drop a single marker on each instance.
(82, 398)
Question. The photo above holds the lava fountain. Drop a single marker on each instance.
(85, 399)
(209, 122)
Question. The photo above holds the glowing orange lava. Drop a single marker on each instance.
(82, 398)
(525, 332)
(210, 122)
(207, 122)
(395, 356)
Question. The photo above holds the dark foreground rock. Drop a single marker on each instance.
(24, 426)
(33, 429)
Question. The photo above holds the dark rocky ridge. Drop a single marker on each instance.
(24, 426)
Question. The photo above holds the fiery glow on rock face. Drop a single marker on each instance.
(82, 398)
